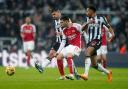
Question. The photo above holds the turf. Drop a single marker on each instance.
(31, 79)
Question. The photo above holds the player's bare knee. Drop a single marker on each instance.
(59, 56)
(69, 55)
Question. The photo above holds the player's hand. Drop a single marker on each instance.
(111, 39)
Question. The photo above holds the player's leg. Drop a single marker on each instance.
(28, 54)
(60, 66)
(104, 56)
(89, 52)
(41, 66)
(70, 66)
(49, 58)
(52, 54)
(98, 66)
(72, 51)
(104, 60)
(25, 49)
(30, 48)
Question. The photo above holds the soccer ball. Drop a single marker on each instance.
(10, 70)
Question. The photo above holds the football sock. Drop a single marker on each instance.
(28, 58)
(101, 68)
(87, 65)
(70, 64)
(60, 66)
(47, 62)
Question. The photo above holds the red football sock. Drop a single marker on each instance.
(60, 67)
(28, 58)
(70, 64)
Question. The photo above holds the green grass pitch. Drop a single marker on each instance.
(32, 79)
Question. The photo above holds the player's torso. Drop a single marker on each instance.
(28, 32)
(73, 36)
(58, 29)
(94, 29)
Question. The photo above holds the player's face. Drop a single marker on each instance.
(89, 12)
(28, 20)
(63, 23)
(56, 15)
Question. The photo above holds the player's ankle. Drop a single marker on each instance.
(86, 74)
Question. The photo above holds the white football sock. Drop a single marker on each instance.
(87, 65)
(101, 68)
(46, 63)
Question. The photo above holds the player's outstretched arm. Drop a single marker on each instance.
(112, 34)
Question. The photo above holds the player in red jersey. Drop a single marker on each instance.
(103, 49)
(71, 31)
(56, 46)
(28, 32)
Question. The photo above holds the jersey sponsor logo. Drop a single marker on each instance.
(27, 31)
(70, 37)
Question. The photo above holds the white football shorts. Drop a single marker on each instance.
(29, 45)
(75, 50)
(102, 50)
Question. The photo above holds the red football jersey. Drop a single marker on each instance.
(73, 34)
(28, 30)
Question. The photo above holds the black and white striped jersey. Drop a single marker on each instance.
(60, 38)
(58, 29)
(94, 29)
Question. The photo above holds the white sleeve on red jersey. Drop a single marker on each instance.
(78, 27)
(21, 28)
(106, 28)
(34, 28)
(62, 44)
(109, 35)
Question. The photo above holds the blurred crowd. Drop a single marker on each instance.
(13, 12)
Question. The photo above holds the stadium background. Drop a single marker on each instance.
(12, 13)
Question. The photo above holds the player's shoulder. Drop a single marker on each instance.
(76, 24)
(101, 17)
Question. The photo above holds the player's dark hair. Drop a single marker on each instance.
(65, 18)
(54, 9)
(92, 8)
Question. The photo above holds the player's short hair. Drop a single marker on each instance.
(65, 18)
(54, 9)
(92, 8)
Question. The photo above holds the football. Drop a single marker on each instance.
(10, 70)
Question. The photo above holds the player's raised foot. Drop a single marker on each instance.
(39, 67)
(109, 75)
(83, 76)
(61, 78)
(70, 77)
